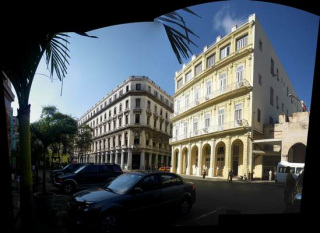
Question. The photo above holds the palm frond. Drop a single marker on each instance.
(179, 33)
(57, 55)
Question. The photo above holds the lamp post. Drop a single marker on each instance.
(304, 107)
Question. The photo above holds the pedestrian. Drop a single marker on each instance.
(204, 173)
(288, 189)
(270, 175)
(230, 176)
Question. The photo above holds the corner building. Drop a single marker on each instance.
(131, 126)
(223, 98)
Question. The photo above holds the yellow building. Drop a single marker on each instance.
(223, 98)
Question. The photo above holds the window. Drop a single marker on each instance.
(120, 121)
(138, 86)
(238, 114)
(242, 42)
(260, 45)
(188, 76)
(260, 80)
(148, 120)
(155, 93)
(277, 74)
(179, 83)
(109, 113)
(155, 108)
(149, 183)
(185, 128)
(127, 88)
(239, 75)
(195, 124)
(127, 119)
(115, 96)
(136, 139)
(270, 120)
(120, 108)
(211, 60)
(166, 115)
(137, 118)
(208, 88)
(277, 102)
(149, 89)
(178, 105)
(207, 120)
(160, 111)
(221, 118)
(222, 82)
(149, 104)
(196, 94)
(161, 98)
(259, 115)
(115, 110)
(198, 69)
(271, 96)
(177, 129)
(186, 101)
(138, 100)
(155, 123)
(224, 52)
(127, 104)
(114, 124)
(121, 92)
(169, 180)
(272, 67)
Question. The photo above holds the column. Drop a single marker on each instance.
(212, 170)
(122, 160)
(156, 162)
(142, 159)
(189, 160)
(227, 157)
(129, 159)
(199, 170)
(173, 160)
(179, 161)
(161, 160)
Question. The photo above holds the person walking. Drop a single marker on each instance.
(230, 176)
(270, 175)
(204, 173)
(288, 190)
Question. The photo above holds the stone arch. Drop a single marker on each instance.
(237, 163)
(184, 162)
(297, 153)
(220, 152)
(194, 160)
(206, 154)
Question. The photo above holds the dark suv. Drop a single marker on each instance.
(67, 169)
(87, 176)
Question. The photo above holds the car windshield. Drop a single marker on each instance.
(123, 183)
(80, 169)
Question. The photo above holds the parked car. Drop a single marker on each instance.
(87, 176)
(69, 168)
(130, 195)
(297, 193)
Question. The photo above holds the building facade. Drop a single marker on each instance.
(223, 98)
(131, 126)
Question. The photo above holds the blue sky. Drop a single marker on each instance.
(98, 65)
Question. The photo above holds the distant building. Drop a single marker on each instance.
(15, 141)
(131, 126)
(223, 98)
(8, 98)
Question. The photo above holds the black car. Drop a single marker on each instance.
(67, 169)
(297, 193)
(131, 195)
(87, 176)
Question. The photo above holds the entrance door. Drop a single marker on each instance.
(136, 161)
(235, 165)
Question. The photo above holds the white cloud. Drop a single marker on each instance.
(225, 19)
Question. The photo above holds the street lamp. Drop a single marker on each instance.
(304, 107)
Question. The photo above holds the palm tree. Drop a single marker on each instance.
(20, 64)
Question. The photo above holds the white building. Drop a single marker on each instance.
(131, 126)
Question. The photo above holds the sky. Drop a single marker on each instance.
(98, 65)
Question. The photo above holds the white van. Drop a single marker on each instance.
(295, 169)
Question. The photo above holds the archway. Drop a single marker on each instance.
(194, 160)
(237, 157)
(175, 160)
(220, 158)
(206, 150)
(184, 162)
(297, 153)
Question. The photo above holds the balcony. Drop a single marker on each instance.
(219, 92)
(212, 129)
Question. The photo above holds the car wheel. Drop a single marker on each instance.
(69, 188)
(110, 223)
(185, 206)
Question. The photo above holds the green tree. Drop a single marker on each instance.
(83, 140)
(49, 129)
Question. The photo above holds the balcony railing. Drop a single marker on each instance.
(226, 89)
(211, 129)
